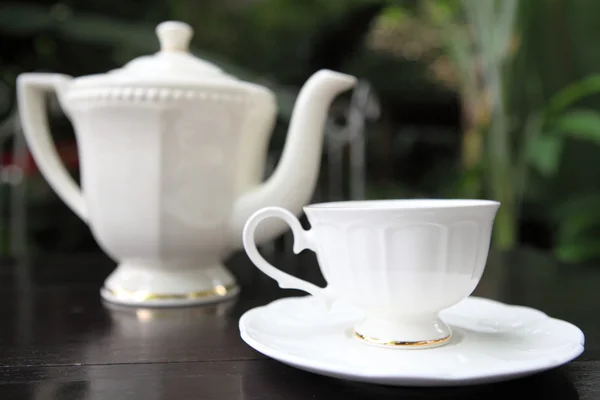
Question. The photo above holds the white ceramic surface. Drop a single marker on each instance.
(401, 261)
(172, 152)
(492, 342)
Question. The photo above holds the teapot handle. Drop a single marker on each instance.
(31, 90)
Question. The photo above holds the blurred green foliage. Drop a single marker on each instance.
(550, 127)
(525, 106)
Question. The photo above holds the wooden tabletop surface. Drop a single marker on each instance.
(59, 341)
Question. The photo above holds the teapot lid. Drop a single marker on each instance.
(173, 63)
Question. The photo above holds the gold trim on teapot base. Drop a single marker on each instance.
(144, 298)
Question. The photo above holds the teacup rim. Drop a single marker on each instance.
(403, 204)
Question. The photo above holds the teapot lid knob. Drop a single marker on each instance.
(174, 35)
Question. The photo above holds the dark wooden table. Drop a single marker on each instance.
(59, 341)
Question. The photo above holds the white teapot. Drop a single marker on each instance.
(172, 152)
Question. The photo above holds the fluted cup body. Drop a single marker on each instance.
(402, 258)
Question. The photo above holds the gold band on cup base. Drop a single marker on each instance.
(141, 296)
(392, 343)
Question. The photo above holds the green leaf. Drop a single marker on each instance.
(585, 249)
(578, 224)
(580, 124)
(573, 93)
(579, 221)
(393, 15)
(544, 154)
(443, 12)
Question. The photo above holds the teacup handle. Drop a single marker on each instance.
(302, 240)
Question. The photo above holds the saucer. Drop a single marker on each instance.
(491, 342)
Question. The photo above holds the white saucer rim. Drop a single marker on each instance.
(438, 380)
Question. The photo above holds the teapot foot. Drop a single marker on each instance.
(139, 285)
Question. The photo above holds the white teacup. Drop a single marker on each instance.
(400, 261)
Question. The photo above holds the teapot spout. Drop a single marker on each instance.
(292, 184)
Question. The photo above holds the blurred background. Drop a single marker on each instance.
(495, 99)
